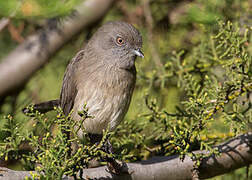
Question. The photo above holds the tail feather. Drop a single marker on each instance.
(42, 107)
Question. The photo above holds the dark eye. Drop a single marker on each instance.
(119, 41)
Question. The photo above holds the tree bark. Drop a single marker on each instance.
(235, 153)
(34, 52)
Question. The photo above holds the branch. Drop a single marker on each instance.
(34, 52)
(149, 23)
(3, 23)
(235, 154)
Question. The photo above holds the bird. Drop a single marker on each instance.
(102, 77)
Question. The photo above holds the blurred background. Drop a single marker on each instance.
(168, 27)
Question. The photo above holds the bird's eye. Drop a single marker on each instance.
(119, 41)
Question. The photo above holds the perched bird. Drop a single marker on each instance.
(102, 76)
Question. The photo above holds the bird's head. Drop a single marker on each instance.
(118, 43)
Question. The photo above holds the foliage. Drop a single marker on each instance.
(208, 96)
(207, 99)
(57, 150)
(36, 9)
(200, 98)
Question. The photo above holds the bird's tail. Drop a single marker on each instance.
(42, 107)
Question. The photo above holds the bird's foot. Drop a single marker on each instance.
(116, 168)
(113, 166)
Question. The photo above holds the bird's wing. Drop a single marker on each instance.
(69, 88)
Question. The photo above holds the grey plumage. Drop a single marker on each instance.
(103, 76)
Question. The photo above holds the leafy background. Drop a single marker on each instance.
(178, 39)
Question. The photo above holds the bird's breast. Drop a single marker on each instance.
(107, 98)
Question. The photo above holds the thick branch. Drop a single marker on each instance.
(27, 58)
(236, 153)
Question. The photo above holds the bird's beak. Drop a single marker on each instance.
(139, 53)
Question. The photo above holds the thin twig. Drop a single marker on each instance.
(149, 21)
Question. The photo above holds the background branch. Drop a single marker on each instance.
(149, 23)
(3, 23)
(235, 153)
